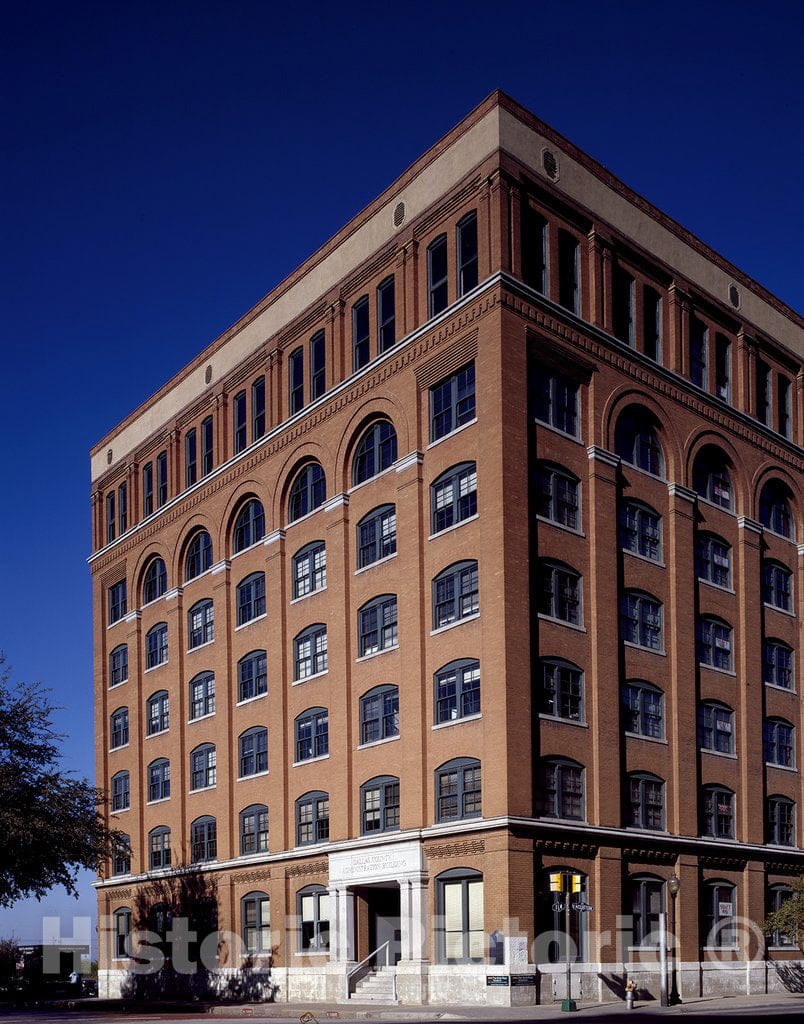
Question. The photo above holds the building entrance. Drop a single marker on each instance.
(381, 905)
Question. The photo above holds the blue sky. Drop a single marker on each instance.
(164, 165)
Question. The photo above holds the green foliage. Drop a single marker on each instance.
(9, 950)
(49, 820)
(789, 918)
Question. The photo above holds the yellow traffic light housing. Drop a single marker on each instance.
(556, 881)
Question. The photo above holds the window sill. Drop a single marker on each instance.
(457, 622)
(452, 433)
(113, 750)
(113, 686)
(558, 431)
(643, 472)
(310, 952)
(201, 718)
(781, 536)
(721, 949)
(377, 743)
(159, 732)
(310, 760)
(251, 547)
(721, 671)
(458, 721)
(644, 830)
(648, 650)
(371, 479)
(198, 647)
(791, 769)
(643, 949)
(455, 526)
(161, 800)
(250, 700)
(781, 611)
(561, 622)
(376, 654)
(122, 810)
(255, 775)
(647, 739)
(562, 721)
(200, 576)
(153, 668)
(783, 689)
(307, 515)
(718, 753)
(716, 586)
(250, 622)
(306, 679)
(561, 821)
(371, 565)
(644, 558)
(561, 526)
(204, 789)
(310, 593)
(714, 504)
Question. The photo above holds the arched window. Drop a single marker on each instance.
(776, 897)
(774, 509)
(156, 645)
(253, 747)
(717, 812)
(560, 592)
(252, 677)
(777, 664)
(154, 582)
(645, 801)
(203, 840)
(457, 690)
(715, 644)
(375, 452)
(561, 690)
(780, 821)
(313, 912)
(201, 624)
(309, 569)
(310, 652)
(455, 594)
(646, 899)
(641, 530)
(558, 495)
(636, 440)
(254, 830)
(255, 913)
(202, 695)
(561, 789)
(777, 585)
(458, 790)
(250, 598)
(713, 560)
(715, 727)
(377, 625)
(718, 913)
(121, 793)
(203, 767)
(159, 848)
(121, 855)
(199, 556)
(312, 818)
(309, 491)
(460, 929)
(453, 497)
(379, 714)
(643, 709)
(122, 932)
(157, 716)
(118, 665)
(158, 780)
(641, 620)
(249, 525)
(311, 730)
(778, 742)
(376, 536)
(379, 805)
(710, 477)
(118, 728)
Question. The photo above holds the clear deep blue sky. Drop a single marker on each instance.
(165, 164)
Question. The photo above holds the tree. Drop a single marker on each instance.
(49, 819)
(789, 918)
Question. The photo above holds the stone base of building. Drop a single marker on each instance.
(488, 985)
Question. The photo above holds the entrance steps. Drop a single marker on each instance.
(376, 987)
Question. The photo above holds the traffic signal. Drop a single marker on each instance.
(556, 881)
(577, 883)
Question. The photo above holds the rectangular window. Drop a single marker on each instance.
(386, 315)
(161, 479)
(117, 601)
(318, 365)
(652, 324)
(763, 393)
(452, 402)
(722, 367)
(258, 408)
(239, 421)
(437, 288)
(699, 341)
(122, 507)
(783, 405)
(623, 306)
(111, 517)
(467, 253)
(534, 249)
(360, 333)
(555, 399)
(190, 458)
(147, 488)
(568, 272)
(206, 446)
(296, 380)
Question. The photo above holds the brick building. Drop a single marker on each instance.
(472, 552)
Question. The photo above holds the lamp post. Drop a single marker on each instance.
(673, 884)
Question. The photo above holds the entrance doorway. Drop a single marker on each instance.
(382, 905)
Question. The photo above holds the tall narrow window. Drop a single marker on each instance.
(309, 569)
(457, 691)
(455, 594)
(763, 393)
(716, 727)
(203, 767)
(643, 709)
(239, 422)
(190, 458)
(117, 601)
(377, 625)
(161, 479)
(254, 829)
(646, 906)
(376, 451)
(253, 752)
(318, 366)
(252, 678)
(111, 517)
(249, 527)
(154, 582)
(717, 812)
(557, 496)
(313, 908)
(783, 405)
(717, 904)
(200, 624)
(258, 408)
(636, 440)
(777, 742)
(122, 932)
(774, 509)
(159, 780)
(568, 272)
(121, 792)
(722, 367)
(437, 287)
(202, 695)
(207, 458)
(309, 492)
(386, 315)
(623, 306)
(379, 799)
(534, 249)
(360, 333)
(379, 714)
(310, 652)
(777, 664)
(156, 645)
(780, 821)
(560, 596)
(256, 916)
(157, 714)
(699, 342)
(554, 399)
(376, 535)
(711, 478)
(296, 380)
(467, 253)
(199, 555)
(561, 789)
(460, 935)
(641, 530)
(147, 488)
(118, 665)
(453, 497)
(645, 805)
(118, 729)
(312, 734)
(452, 402)
(122, 506)
(312, 819)
(159, 848)
(714, 644)
(561, 690)
(713, 560)
(652, 323)
(203, 840)
(641, 620)
(251, 598)
(777, 586)
(459, 790)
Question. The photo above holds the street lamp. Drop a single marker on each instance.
(673, 884)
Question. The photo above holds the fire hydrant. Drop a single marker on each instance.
(630, 989)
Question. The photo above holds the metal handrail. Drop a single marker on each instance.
(364, 962)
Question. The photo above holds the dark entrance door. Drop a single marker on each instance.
(383, 921)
